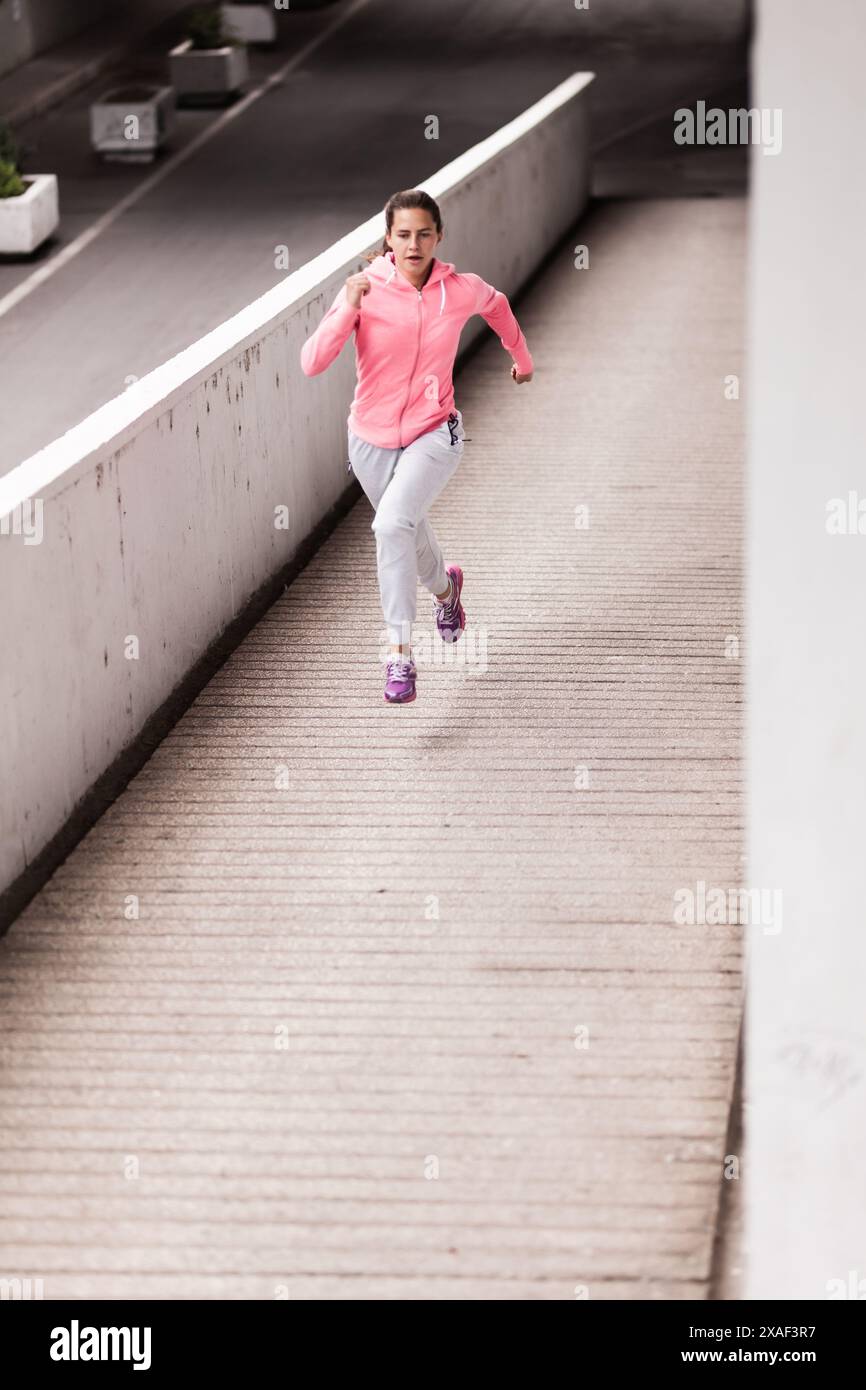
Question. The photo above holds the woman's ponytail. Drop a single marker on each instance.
(374, 255)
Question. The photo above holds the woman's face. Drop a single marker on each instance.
(413, 238)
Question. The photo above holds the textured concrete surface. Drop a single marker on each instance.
(405, 1012)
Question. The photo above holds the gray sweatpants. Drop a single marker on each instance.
(402, 485)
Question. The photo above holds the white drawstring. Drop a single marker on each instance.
(392, 271)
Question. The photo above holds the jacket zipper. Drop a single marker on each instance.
(414, 365)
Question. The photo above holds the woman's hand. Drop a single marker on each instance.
(520, 377)
(356, 287)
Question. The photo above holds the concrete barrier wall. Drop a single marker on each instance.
(159, 512)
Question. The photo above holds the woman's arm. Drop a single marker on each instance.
(325, 344)
(495, 309)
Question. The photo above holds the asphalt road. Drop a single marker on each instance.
(311, 158)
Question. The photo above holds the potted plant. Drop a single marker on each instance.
(29, 210)
(250, 21)
(132, 122)
(210, 65)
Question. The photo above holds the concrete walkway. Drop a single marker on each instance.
(405, 1013)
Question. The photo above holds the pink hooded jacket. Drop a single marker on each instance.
(405, 344)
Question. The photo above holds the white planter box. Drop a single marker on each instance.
(251, 23)
(132, 122)
(29, 219)
(208, 73)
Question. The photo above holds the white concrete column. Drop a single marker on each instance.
(806, 642)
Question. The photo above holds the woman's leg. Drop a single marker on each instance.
(406, 545)
(431, 566)
(372, 466)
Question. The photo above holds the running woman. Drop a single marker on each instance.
(405, 432)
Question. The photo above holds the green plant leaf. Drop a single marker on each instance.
(11, 183)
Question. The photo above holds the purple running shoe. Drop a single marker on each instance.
(400, 680)
(450, 617)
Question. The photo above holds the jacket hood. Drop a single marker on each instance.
(384, 268)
